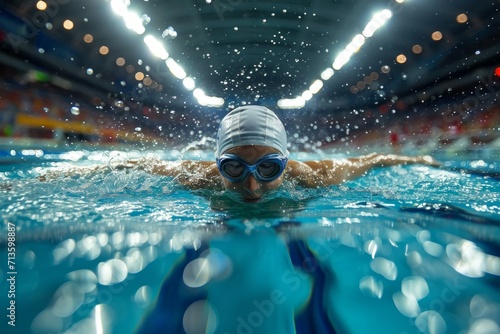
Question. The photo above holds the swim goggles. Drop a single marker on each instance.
(266, 169)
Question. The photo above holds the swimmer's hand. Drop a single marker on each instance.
(427, 160)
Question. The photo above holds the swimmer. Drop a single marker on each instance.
(252, 159)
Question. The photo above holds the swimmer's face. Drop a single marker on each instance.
(251, 189)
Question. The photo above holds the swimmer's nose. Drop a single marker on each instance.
(252, 184)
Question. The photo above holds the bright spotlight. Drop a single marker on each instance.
(175, 68)
(155, 47)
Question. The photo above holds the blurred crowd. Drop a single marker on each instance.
(33, 109)
(37, 110)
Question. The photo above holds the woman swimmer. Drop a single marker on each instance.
(252, 159)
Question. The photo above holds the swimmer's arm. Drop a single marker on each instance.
(314, 174)
(189, 173)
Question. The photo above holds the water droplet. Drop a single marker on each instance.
(75, 111)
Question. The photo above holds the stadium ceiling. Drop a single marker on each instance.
(265, 52)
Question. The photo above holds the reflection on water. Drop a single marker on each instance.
(241, 283)
(132, 253)
(276, 207)
(245, 276)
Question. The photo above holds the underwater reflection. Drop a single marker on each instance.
(276, 207)
(258, 281)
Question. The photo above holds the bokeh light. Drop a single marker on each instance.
(462, 18)
(139, 76)
(401, 59)
(104, 50)
(41, 5)
(437, 36)
(88, 38)
(416, 49)
(120, 61)
(68, 24)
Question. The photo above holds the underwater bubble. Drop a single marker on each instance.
(433, 248)
(430, 322)
(371, 286)
(85, 279)
(371, 247)
(481, 307)
(29, 259)
(408, 306)
(484, 326)
(67, 299)
(470, 261)
(385, 268)
(47, 322)
(112, 271)
(63, 250)
(414, 259)
(415, 287)
(220, 264)
(200, 318)
(143, 296)
(134, 261)
(75, 110)
(197, 273)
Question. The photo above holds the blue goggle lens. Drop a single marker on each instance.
(266, 169)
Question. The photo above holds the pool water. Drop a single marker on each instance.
(405, 249)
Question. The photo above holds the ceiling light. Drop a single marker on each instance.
(139, 76)
(198, 93)
(189, 83)
(134, 23)
(341, 60)
(88, 38)
(295, 103)
(175, 68)
(356, 43)
(436, 35)
(120, 61)
(462, 18)
(417, 49)
(68, 24)
(41, 5)
(120, 7)
(401, 59)
(316, 86)
(327, 74)
(156, 47)
(209, 101)
(378, 20)
(307, 95)
(103, 50)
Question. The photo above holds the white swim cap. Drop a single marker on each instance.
(251, 125)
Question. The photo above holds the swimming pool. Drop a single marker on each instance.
(406, 249)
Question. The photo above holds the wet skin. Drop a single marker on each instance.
(251, 189)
